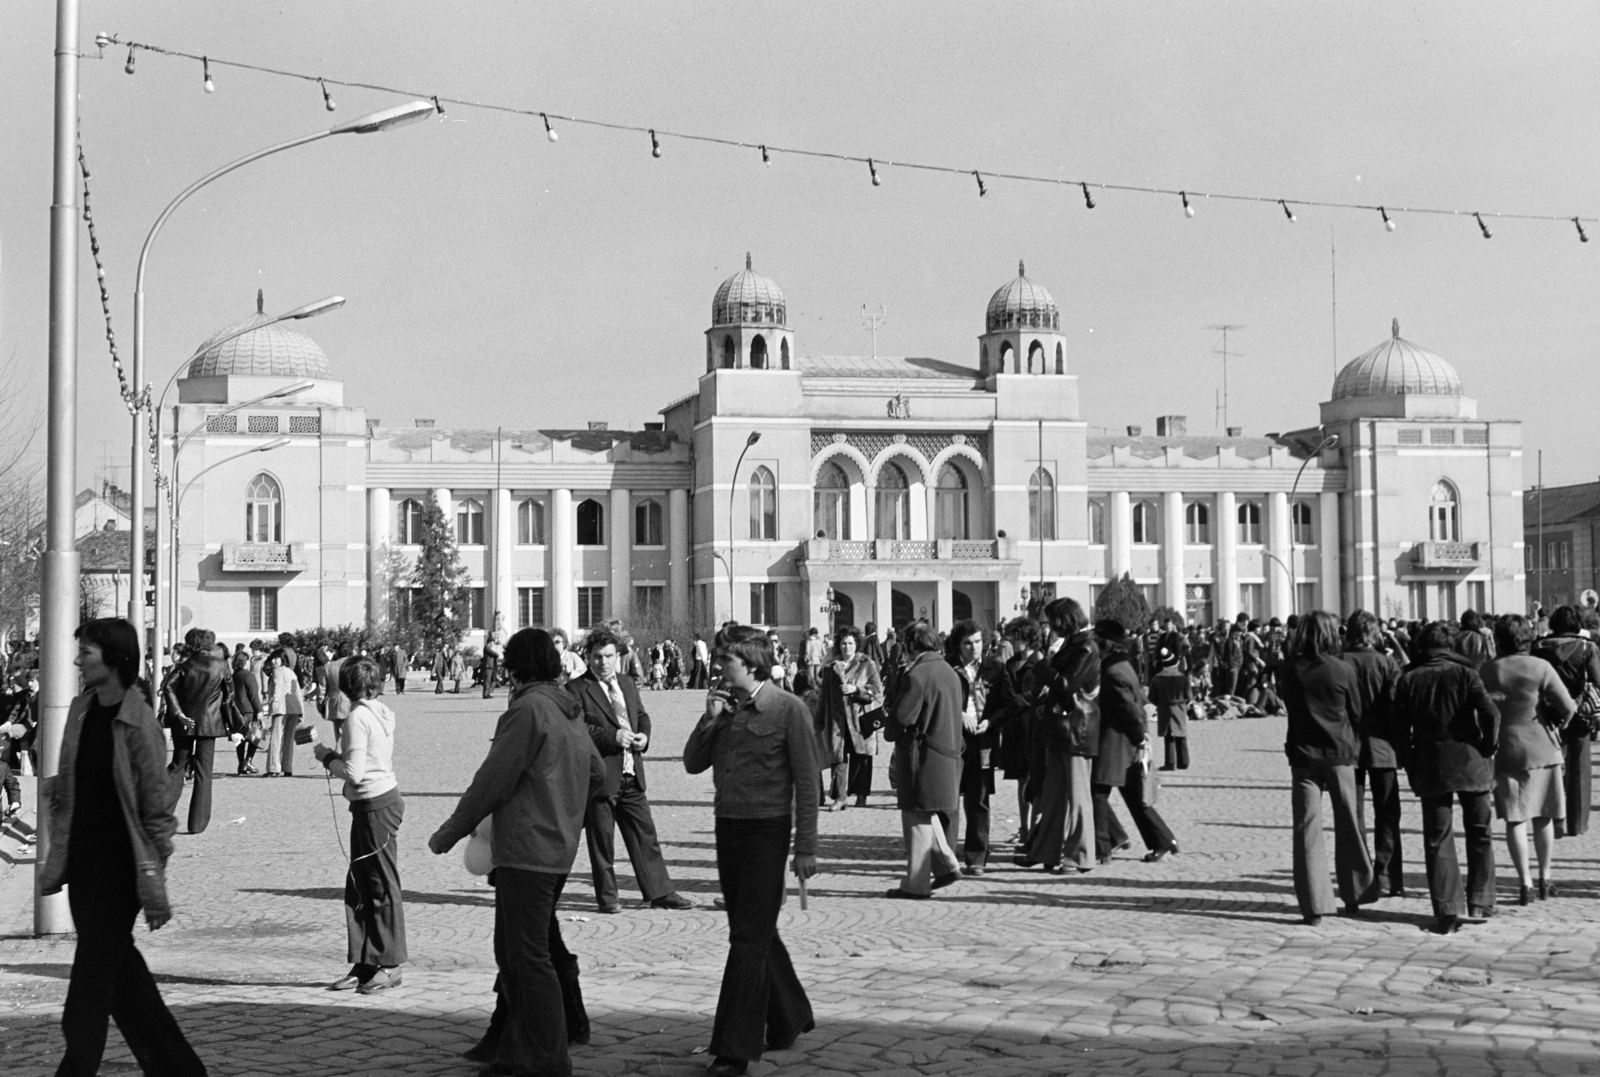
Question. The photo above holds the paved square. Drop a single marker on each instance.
(1196, 965)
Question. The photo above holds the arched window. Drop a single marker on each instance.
(783, 353)
(1197, 522)
(1061, 359)
(1097, 522)
(1300, 524)
(408, 523)
(763, 504)
(530, 523)
(1444, 521)
(831, 502)
(1036, 358)
(1007, 354)
(951, 505)
(263, 510)
(647, 523)
(1249, 523)
(1144, 523)
(893, 503)
(758, 353)
(469, 523)
(591, 523)
(729, 355)
(1041, 506)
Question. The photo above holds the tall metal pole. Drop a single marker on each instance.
(733, 492)
(58, 601)
(1538, 561)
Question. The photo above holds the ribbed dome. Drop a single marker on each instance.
(1397, 368)
(274, 351)
(748, 298)
(1022, 304)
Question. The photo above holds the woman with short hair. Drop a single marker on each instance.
(851, 686)
(1577, 663)
(1534, 708)
(1065, 742)
(375, 921)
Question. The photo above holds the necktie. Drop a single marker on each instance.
(619, 706)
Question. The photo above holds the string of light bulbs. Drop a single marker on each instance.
(875, 165)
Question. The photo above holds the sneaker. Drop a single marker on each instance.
(382, 980)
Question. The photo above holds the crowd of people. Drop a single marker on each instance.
(1494, 718)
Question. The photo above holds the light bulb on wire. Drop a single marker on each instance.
(1387, 223)
(1583, 237)
(873, 169)
(655, 144)
(327, 98)
(438, 107)
(1088, 200)
(549, 132)
(1482, 227)
(982, 190)
(205, 67)
(128, 67)
(1287, 212)
(764, 158)
(1188, 210)
(101, 40)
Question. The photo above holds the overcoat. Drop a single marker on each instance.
(1124, 726)
(839, 717)
(927, 755)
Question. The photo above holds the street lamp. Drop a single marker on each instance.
(177, 515)
(1294, 589)
(372, 123)
(733, 489)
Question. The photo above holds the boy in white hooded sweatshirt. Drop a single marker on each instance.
(374, 916)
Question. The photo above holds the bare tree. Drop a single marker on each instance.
(21, 497)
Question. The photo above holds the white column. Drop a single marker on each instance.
(1226, 599)
(921, 522)
(1172, 549)
(883, 595)
(377, 556)
(504, 594)
(446, 506)
(944, 605)
(621, 553)
(1121, 534)
(1332, 589)
(563, 593)
(1280, 582)
(678, 556)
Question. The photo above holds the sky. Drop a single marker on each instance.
(496, 278)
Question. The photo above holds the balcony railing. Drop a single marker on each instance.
(262, 557)
(899, 550)
(1446, 555)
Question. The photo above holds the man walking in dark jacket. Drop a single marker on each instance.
(1377, 765)
(927, 764)
(1447, 729)
(194, 701)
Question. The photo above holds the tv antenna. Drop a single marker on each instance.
(1224, 352)
(872, 320)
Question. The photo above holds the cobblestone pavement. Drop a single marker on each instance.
(1198, 964)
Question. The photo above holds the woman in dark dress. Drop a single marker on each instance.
(1021, 669)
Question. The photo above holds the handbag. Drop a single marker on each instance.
(478, 856)
(254, 732)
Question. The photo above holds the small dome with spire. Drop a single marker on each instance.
(748, 298)
(1397, 367)
(1022, 304)
(273, 351)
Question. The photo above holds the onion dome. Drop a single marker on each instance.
(748, 298)
(1397, 368)
(1022, 304)
(273, 351)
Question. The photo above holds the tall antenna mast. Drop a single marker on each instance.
(1225, 330)
(872, 320)
(1333, 258)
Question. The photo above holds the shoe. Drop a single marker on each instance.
(1480, 912)
(1155, 856)
(1023, 862)
(1313, 921)
(972, 871)
(1524, 895)
(1546, 889)
(906, 895)
(1056, 869)
(837, 805)
(727, 1067)
(720, 904)
(1350, 911)
(776, 1045)
(382, 980)
(358, 975)
(249, 768)
(861, 802)
(611, 909)
(949, 877)
(672, 901)
(1447, 925)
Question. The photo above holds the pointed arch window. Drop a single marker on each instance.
(1036, 358)
(530, 523)
(831, 502)
(263, 510)
(1444, 519)
(647, 523)
(758, 353)
(1061, 359)
(763, 504)
(469, 523)
(408, 523)
(952, 506)
(1197, 523)
(893, 503)
(1007, 353)
(783, 351)
(729, 356)
(591, 523)
(1041, 506)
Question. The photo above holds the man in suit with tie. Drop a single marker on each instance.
(621, 730)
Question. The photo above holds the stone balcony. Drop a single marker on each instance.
(1449, 555)
(857, 550)
(262, 557)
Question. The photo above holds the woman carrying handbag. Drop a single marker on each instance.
(851, 713)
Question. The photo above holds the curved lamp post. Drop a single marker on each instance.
(733, 490)
(1294, 588)
(370, 124)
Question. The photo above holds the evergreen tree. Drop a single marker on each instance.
(439, 599)
(1122, 601)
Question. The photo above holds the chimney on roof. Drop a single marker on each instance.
(1236, 431)
(599, 425)
(655, 426)
(1172, 426)
(424, 424)
(1135, 431)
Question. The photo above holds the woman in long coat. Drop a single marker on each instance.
(1065, 741)
(1123, 761)
(1577, 663)
(851, 687)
